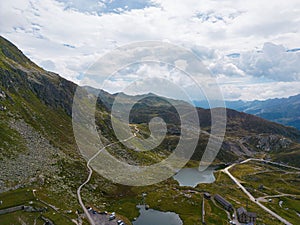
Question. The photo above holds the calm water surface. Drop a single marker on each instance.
(191, 177)
(155, 217)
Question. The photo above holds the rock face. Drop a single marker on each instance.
(54, 91)
(2, 94)
(2, 98)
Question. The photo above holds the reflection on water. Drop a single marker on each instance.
(192, 176)
(155, 217)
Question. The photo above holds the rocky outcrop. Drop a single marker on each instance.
(27, 166)
(269, 143)
(54, 91)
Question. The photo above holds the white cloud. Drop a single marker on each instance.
(260, 91)
(67, 36)
(273, 62)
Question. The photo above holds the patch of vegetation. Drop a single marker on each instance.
(289, 209)
(20, 217)
(213, 214)
(16, 198)
(26, 197)
(266, 179)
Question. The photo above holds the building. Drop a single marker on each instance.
(207, 195)
(223, 202)
(245, 217)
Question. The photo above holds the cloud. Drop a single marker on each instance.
(273, 62)
(69, 36)
(260, 91)
(226, 68)
(48, 65)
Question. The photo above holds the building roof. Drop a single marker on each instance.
(252, 214)
(221, 200)
(241, 210)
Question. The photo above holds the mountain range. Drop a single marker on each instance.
(285, 111)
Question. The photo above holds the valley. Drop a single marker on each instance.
(185, 201)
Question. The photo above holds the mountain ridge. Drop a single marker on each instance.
(285, 111)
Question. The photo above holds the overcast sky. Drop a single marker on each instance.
(252, 48)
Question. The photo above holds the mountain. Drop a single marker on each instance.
(43, 101)
(281, 110)
(38, 148)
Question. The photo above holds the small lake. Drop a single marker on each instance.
(155, 217)
(191, 177)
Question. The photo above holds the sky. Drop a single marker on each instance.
(251, 48)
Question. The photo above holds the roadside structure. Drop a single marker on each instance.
(207, 195)
(227, 205)
(246, 217)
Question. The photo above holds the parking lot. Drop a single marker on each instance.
(102, 219)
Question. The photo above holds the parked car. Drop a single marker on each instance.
(112, 217)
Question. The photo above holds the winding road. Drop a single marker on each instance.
(86, 212)
(226, 171)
